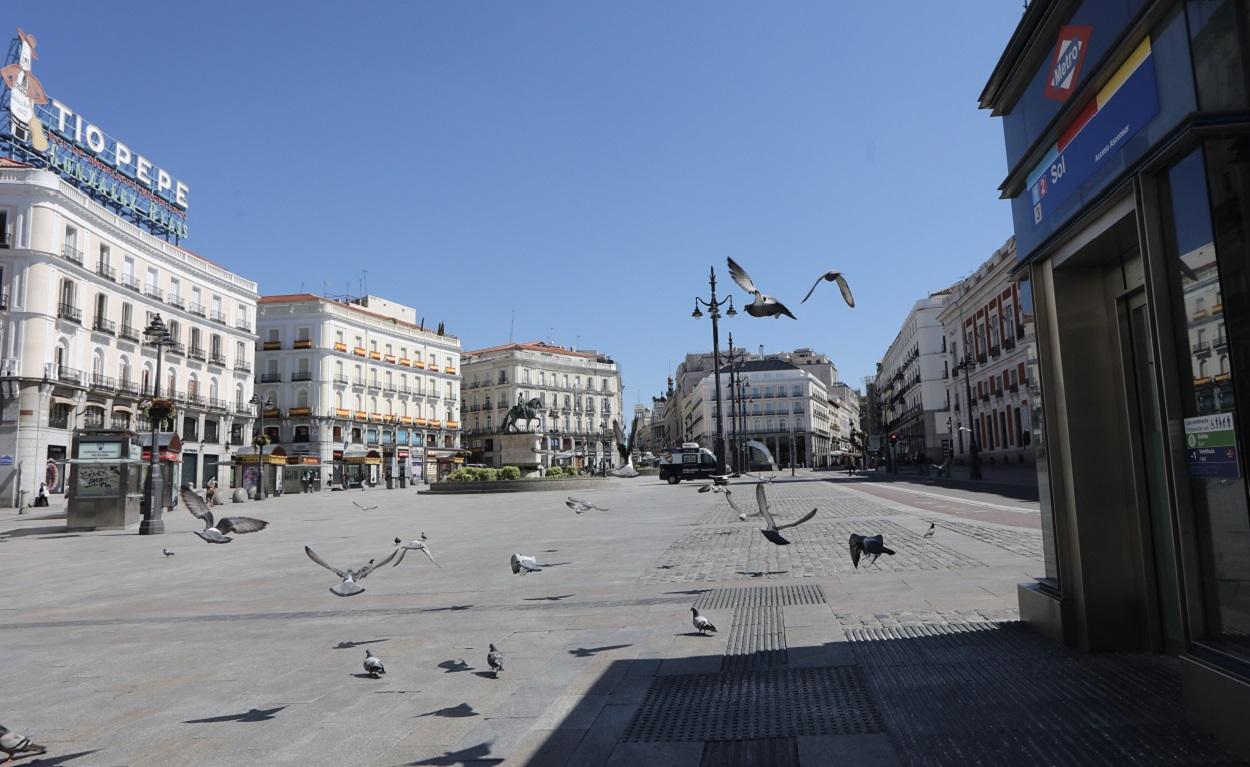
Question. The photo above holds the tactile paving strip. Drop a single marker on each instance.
(757, 639)
(753, 705)
(780, 596)
(766, 752)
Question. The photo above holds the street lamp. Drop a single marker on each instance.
(974, 451)
(714, 306)
(157, 335)
(261, 407)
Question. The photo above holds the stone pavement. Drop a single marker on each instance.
(238, 654)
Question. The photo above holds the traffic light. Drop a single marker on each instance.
(893, 438)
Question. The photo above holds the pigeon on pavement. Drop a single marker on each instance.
(219, 532)
(14, 744)
(580, 506)
(404, 548)
(929, 533)
(363, 508)
(167, 552)
(701, 623)
(770, 532)
(842, 285)
(373, 666)
(762, 306)
(494, 659)
(522, 564)
(349, 587)
(872, 545)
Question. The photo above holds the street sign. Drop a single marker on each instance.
(1211, 446)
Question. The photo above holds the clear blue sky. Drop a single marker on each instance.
(580, 163)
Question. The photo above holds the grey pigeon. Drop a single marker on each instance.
(15, 744)
(872, 545)
(373, 666)
(842, 285)
(219, 532)
(494, 659)
(742, 515)
(363, 508)
(762, 306)
(770, 532)
(580, 506)
(349, 587)
(701, 623)
(522, 564)
(167, 552)
(928, 533)
(420, 546)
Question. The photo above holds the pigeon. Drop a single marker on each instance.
(762, 306)
(404, 548)
(522, 564)
(770, 532)
(494, 659)
(712, 487)
(219, 532)
(363, 508)
(15, 744)
(701, 623)
(373, 666)
(423, 536)
(833, 277)
(349, 587)
(928, 533)
(742, 515)
(873, 545)
(167, 552)
(579, 506)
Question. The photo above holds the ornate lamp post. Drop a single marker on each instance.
(260, 440)
(156, 335)
(974, 451)
(714, 306)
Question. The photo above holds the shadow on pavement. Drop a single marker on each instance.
(461, 710)
(252, 715)
(54, 761)
(475, 755)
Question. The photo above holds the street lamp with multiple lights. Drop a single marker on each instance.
(713, 305)
(156, 335)
(261, 407)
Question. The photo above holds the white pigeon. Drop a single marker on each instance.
(373, 666)
(420, 546)
(742, 515)
(580, 506)
(762, 306)
(494, 659)
(522, 565)
(770, 532)
(15, 744)
(219, 532)
(701, 623)
(349, 587)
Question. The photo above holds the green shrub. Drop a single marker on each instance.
(509, 472)
(463, 474)
(487, 474)
(555, 472)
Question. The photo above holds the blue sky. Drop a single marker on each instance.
(579, 164)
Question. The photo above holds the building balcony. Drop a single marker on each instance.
(302, 375)
(270, 346)
(197, 353)
(72, 254)
(175, 301)
(1013, 388)
(418, 364)
(243, 366)
(106, 271)
(129, 333)
(374, 385)
(449, 370)
(341, 380)
(375, 356)
(405, 362)
(1199, 315)
(299, 412)
(153, 292)
(132, 282)
(243, 407)
(100, 381)
(1009, 343)
(128, 388)
(342, 413)
(69, 312)
(217, 358)
(272, 413)
(995, 351)
(391, 358)
(218, 404)
(64, 374)
(358, 382)
(360, 351)
(244, 325)
(271, 378)
(361, 415)
(197, 309)
(175, 347)
(4, 299)
(1201, 349)
(104, 326)
(303, 343)
(1220, 343)
(389, 388)
(217, 316)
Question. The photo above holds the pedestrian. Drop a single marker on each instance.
(41, 497)
(210, 492)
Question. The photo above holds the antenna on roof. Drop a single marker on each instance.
(364, 282)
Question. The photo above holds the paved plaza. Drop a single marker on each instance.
(238, 654)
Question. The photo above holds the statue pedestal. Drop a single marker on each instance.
(519, 449)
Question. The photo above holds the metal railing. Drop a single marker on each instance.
(132, 282)
(104, 326)
(197, 309)
(69, 312)
(243, 366)
(217, 358)
(302, 375)
(65, 374)
(175, 300)
(217, 316)
(106, 271)
(101, 381)
(243, 325)
(175, 347)
(342, 380)
(72, 254)
(129, 333)
(153, 292)
(198, 353)
(271, 378)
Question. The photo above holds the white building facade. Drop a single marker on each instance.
(79, 285)
(911, 387)
(360, 392)
(579, 394)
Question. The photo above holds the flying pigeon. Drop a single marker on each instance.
(712, 487)
(581, 506)
(15, 744)
(494, 659)
(928, 533)
(762, 306)
(404, 548)
(833, 277)
(363, 508)
(423, 536)
(522, 564)
(742, 515)
(167, 552)
(349, 587)
(220, 532)
(770, 532)
(701, 623)
(373, 666)
(873, 545)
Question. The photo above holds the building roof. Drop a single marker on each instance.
(539, 346)
(759, 366)
(301, 298)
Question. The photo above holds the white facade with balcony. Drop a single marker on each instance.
(78, 285)
(358, 379)
(911, 385)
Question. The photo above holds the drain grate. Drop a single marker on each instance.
(777, 596)
(768, 752)
(755, 705)
(757, 639)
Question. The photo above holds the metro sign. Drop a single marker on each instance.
(1065, 65)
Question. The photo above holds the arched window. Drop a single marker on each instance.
(338, 401)
(171, 383)
(123, 370)
(93, 417)
(239, 400)
(193, 386)
(301, 398)
(213, 392)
